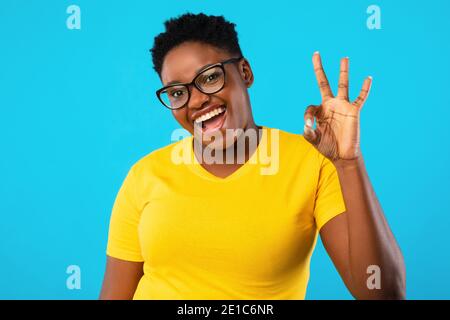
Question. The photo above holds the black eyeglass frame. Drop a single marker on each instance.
(193, 83)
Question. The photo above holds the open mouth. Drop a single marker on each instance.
(213, 120)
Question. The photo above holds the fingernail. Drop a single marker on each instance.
(308, 130)
(309, 122)
(316, 52)
(370, 77)
(305, 129)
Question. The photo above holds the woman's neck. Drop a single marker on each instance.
(241, 151)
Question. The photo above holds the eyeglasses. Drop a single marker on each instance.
(208, 81)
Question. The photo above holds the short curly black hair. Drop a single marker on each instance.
(209, 29)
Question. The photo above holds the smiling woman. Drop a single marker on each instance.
(233, 76)
(226, 229)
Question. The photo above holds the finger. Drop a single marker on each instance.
(364, 93)
(310, 112)
(322, 80)
(343, 79)
(311, 135)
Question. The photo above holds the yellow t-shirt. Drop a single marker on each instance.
(247, 236)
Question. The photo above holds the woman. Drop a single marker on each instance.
(202, 219)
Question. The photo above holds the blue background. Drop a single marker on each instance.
(78, 109)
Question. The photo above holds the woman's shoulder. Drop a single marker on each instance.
(161, 156)
(295, 147)
(289, 139)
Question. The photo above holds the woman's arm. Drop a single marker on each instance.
(361, 238)
(121, 279)
(359, 241)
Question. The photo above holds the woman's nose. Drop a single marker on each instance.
(197, 98)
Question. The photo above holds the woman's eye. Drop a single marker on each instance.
(177, 94)
(211, 77)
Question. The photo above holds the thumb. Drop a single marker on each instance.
(311, 135)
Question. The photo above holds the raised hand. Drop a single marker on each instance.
(337, 133)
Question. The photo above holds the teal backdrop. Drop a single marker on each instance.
(77, 109)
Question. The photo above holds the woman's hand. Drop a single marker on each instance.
(337, 119)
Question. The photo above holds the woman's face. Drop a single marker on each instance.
(182, 64)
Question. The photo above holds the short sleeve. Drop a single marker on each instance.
(123, 239)
(329, 200)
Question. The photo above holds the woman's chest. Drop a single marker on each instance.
(248, 228)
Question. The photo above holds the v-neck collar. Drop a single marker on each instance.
(251, 163)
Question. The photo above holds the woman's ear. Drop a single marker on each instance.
(246, 72)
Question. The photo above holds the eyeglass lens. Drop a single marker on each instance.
(209, 81)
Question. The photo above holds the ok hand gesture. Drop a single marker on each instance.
(337, 133)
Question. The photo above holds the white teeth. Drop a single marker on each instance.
(209, 115)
